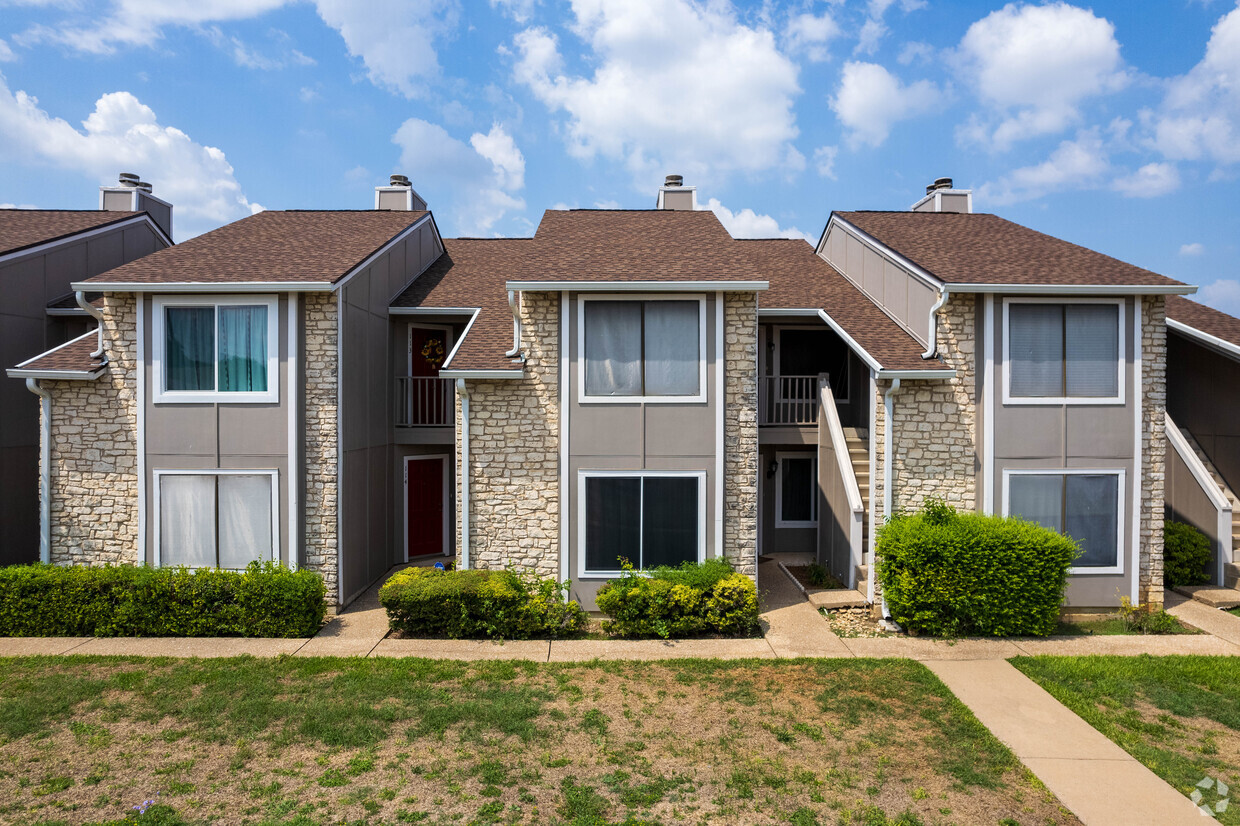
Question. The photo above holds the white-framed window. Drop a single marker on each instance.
(215, 349)
(1085, 504)
(649, 517)
(641, 348)
(796, 490)
(1057, 352)
(216, 518)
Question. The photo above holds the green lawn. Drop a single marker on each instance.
(308, 741)
(1180, 716)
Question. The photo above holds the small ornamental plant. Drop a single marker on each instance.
(690, 600)
(949, 574)
(1186, 553)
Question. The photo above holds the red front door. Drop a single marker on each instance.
(424, 505)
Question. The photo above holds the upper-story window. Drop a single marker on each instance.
(212, 349)
(1061, 353)
(643, 349)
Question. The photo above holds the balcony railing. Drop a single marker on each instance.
(788, 400)
(423, 401)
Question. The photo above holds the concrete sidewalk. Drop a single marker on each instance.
(1096, 779)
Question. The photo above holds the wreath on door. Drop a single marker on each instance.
(433, 352)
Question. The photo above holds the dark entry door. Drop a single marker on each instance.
(425, 503)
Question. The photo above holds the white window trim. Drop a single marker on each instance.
(778, 331)
(780, 456)
(1119, 473)
(1009, 399)
(159, 473)
(583, 475)
(582, 398)
(161, 396)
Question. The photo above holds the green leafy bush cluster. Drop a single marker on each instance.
(478, 603)
(706, 598)
(821, 577)
(1186, 553)
(126, 601)
(950, 574)
(1146, 619)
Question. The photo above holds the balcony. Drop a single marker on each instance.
(425, 401)
(788, 400)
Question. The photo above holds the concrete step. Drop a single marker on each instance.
(1211, 595)
(1231, 574)
(838, 599)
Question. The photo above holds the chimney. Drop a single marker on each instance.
(132, 194)
(399, 194)
(675, 195)
(942, 196)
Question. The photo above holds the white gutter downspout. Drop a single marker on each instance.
(463, 392)
(514, 304)
(933, 329)
(889, 405)
(45, 470)
(98, 316)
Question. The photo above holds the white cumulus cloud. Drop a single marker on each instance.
(1223, 294)
(122, 133)
(676, 86)
(1033, 67)
(1075, 164)
(824, 160)
(395, 39)
(749, 224)
(871, 100)
(1193, 249)
(1150, 181)
(809, 34)
(471, 186)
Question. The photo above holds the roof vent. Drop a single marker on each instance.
(399, 194)
(674, 180)
(675, 195)
(400, 180)
(129, 179)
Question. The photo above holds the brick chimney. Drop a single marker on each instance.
(399, 194)
(675, 195)
(942, 196)
(132, 194)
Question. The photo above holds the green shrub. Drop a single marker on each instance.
(821, 577)
(680, 602)
(1146, 619)
(478, 603)
(954, 574)
(126, 601)
(1186, 553)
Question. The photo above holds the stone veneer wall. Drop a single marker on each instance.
(740, 431)
(1153, 469)
(514, 453)
(94, 457)
(321, 497)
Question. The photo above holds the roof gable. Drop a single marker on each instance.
(24, 228)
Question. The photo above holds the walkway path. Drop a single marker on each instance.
(1096, 779)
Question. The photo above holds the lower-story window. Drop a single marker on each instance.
(796, 490)
(223, 519)
(648, 519)
(1083, 504)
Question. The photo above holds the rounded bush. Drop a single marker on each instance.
(1186, 553)
(689, 600)
(479, 603)
(951, 574)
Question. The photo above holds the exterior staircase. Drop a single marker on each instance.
(1231, 569)
(858, 440)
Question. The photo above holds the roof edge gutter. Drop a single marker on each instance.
(1073, 289)
(640, 286)
(514, 304)
(932, 328)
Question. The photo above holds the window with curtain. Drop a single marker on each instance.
(798, 491)
(215, 520)
(647, 520)
(642, 348)
(1083, 506)
(1063, 350)
(216, 348)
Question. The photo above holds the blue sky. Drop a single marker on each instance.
(1116, 125)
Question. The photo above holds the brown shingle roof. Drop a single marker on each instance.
(633, 245)
(21, 228)
(978, 248)
(800, 280)
(470, 274)
(73, 357)
(310, 246)
(1206, 319)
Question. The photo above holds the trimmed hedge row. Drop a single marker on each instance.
(953, 574)
(706, 598)
(127, 601)
(479, 603)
